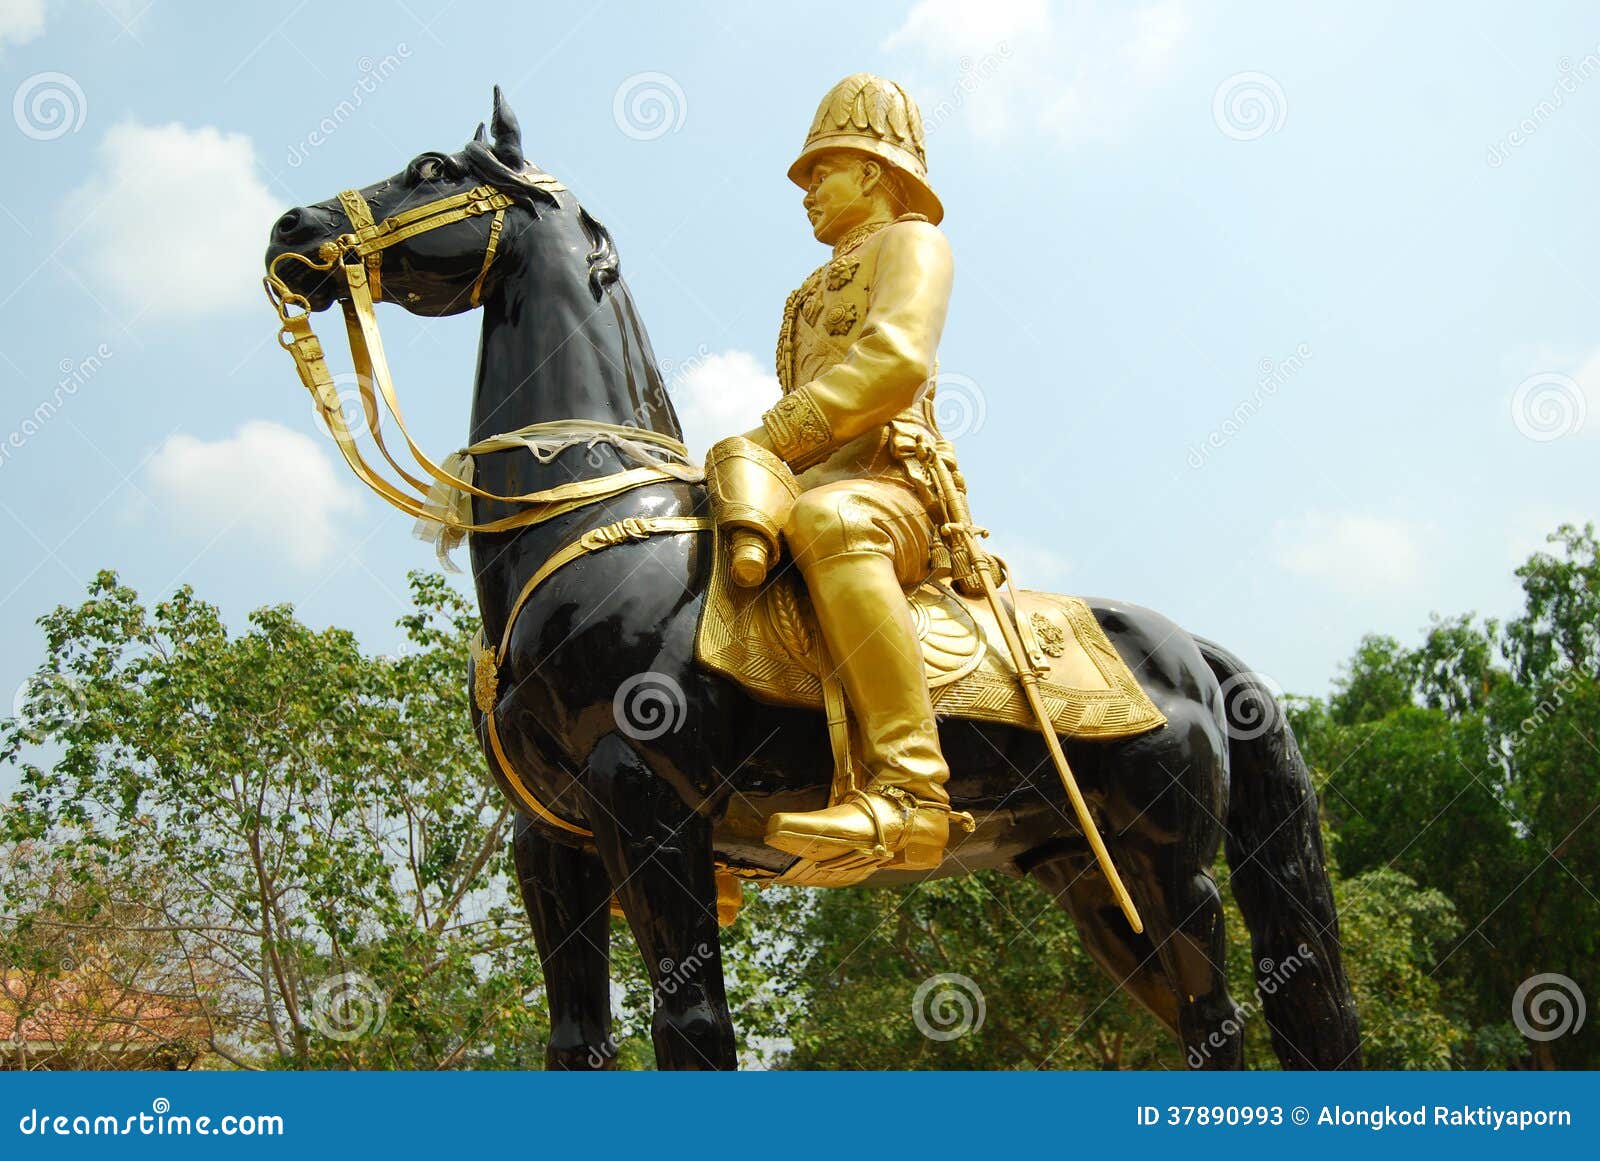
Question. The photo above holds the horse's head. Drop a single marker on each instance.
(428, 237)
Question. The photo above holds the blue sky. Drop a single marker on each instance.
(1281, 322)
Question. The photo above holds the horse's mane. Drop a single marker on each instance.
(524, 185)
(604, 265)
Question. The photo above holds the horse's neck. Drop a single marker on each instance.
(551, 351)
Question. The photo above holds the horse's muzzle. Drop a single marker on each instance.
(304, 230)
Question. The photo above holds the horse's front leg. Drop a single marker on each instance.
(659, 856)
(568, 896)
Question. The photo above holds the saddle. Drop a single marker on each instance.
(766, 639)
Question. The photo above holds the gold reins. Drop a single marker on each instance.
(356, 258)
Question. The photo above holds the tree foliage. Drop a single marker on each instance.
(297, 839)
(305, 824)
(1470, 763)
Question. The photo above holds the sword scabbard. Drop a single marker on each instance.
(960, 532)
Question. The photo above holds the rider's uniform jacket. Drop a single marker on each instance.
(856, 354)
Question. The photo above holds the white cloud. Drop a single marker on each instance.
(277, 486)
(1355, 553)
(1157, 33)
(720, 395)
(20, 21)
(176, 219)
(1007, 67)
(951, 28)
(1530, 528)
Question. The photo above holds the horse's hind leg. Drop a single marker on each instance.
(568, 895)
(1166, 813)
(1077, 885)
(658, 854)
(1182, 912)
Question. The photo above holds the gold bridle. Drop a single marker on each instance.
(356, 259)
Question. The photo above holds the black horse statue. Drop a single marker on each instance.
(562, 340)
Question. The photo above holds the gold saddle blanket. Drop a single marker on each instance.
(767, 640)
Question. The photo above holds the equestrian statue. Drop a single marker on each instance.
(798, 664)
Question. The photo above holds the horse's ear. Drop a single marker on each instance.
(507, 134)
(482, 135)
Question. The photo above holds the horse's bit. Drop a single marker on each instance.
(356, 258)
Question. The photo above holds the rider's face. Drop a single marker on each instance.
(836, 198)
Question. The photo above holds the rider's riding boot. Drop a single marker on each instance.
(902, 816)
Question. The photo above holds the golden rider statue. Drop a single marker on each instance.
(856, 361)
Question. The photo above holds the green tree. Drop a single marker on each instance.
(1471, 764)
(307, 826)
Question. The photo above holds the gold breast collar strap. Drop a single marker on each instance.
(487, 662)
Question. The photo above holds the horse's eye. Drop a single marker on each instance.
(427, 169)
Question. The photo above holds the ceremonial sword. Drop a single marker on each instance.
(963, 534)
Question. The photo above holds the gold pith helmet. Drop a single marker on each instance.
(873, 115)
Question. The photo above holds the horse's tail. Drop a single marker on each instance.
(1280, 877)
